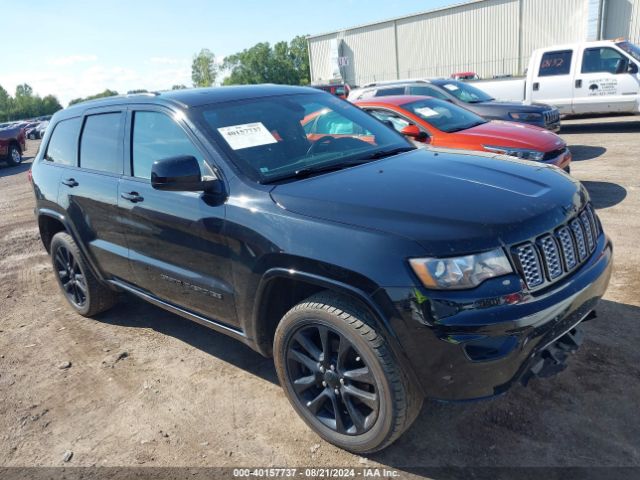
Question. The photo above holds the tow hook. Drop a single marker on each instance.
(552, 359)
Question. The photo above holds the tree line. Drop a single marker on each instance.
(24, 104)
(284, 63)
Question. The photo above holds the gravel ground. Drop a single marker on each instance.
(141, 387)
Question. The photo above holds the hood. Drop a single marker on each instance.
(511, 134)
(450, 203)
(517, 107)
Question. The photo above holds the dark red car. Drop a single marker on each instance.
(12, 144)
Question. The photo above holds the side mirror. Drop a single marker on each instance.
(181, 174)
(633, 68)
(415, 133)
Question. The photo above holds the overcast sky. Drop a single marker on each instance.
(73, 48)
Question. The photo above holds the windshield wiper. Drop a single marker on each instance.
(386, 153)
(310, 171)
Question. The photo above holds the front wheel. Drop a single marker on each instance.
(15, 157)
(340, 375)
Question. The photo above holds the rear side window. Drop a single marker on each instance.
(100, 146)
(555, 63)
(63, 146)
(156, 136)
(390, 91)
(428, 91)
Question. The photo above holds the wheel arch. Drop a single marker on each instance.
(280, 289)
(51, 222)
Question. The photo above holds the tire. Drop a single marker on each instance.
(375, 400)
(32, 136)
(15, 157)
(84, 292)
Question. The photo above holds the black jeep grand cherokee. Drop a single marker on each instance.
(374, 273)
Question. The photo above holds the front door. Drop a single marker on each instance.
(603, 83)
(177, 247)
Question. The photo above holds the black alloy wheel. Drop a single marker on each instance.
(331, 379)
(71, 277)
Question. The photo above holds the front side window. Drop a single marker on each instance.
(444, 116)
(555, 63)
(603, 59)
(157, 136)
(388, 117)
(101, 141)
(465, 92)
(269, 138)
(63, 146)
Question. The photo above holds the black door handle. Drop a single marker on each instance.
(536, 86)
(70, 182)
(132, 197)
(578, 83)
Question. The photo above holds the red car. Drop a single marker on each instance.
(12, 145)
(443, 124)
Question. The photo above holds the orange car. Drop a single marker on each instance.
(442, 124)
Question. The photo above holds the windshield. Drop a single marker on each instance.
(465, 92)
(631, 49)
(270, 138)
(443, 115)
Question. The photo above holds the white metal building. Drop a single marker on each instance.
(489, 37)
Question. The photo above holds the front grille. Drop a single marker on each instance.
(551, 116)
(554, 153)
(553, 255)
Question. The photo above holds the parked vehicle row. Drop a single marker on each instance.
(467, 96)
(374, 272)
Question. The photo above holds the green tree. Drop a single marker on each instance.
(25, 104)
(139, 90)
(178, 87)
(203, 69)
(284, 63)
(105, 93)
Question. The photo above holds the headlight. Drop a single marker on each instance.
(461, 272)
(526, 116)
(522, 153)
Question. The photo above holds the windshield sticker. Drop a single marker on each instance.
(247, 135)
(451, 87)
(426, 112)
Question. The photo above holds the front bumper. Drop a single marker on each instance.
(476, 344)
(561, 161)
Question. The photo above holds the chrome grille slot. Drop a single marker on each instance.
(568, 250)
(593, 220)
(588, 230)
(551, 256)
(528, 259)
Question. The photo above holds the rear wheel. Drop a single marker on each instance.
(15, 157)
(340, 375)
(84, 292)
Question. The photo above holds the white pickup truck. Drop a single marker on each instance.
(580, 78)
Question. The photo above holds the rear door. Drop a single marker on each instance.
(553, 81)
(603, 83)
(177, 246)
(89, 191)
